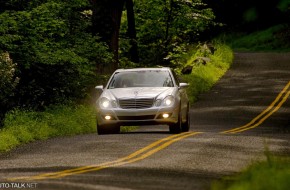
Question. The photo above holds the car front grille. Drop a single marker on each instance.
(136, 118)
(139, 103)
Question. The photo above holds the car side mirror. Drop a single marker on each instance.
(183, 85)
(100, 87)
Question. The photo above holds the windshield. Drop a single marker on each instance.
(145, 78)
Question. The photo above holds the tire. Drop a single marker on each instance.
(186, 125)
(108, 129)
(175, 128)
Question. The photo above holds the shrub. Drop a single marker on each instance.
(267, 175)
(7, 141)
(55, 51)
(22, 126)
(8, 82)
(203, 77)
(271, 39)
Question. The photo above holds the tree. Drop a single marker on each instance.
(54, 49)
(134, 55)
(8, 82)
(106, 21)
(249, 14)
(163, 26)
(284, 7)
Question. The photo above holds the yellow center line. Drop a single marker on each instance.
(265, 114)
(128, 161)
(161, 144)
(121, 159)
(136, 156)
(268, 115)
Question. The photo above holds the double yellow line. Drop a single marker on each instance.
(161, 144)
(275, 106)
(134, 157)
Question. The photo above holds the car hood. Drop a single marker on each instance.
(122, 93)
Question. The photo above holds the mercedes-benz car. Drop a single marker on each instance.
(143, 96)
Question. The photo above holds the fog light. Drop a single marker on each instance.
(107, 117)
(165, 115)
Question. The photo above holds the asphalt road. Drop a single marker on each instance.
(247, 112)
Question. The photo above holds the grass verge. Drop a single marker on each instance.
(272, 39)
(272, 174)
(22, 126)
(203, 77)
(26, 126)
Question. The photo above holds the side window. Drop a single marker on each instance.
(176, 79)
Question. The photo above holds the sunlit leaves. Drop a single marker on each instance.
(165, 26)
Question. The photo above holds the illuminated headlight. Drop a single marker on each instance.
(168, 101)
(104, 102)
(107, 117)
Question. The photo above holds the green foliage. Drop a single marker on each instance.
(271, 39)
(176, 55)
(125, 129)
(8, 81)
(267, 175)
(7, 141)
(165, 27)
(203, 77)
(250, 15)
(284, 5)
(56, 54)
(62, 120)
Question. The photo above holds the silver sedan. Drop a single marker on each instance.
(143, 96)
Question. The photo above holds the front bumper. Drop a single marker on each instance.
(146, 116)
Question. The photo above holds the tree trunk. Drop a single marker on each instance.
(116, 15)
(101, 20)
(168, 22)
(106, 21)
(132, 31)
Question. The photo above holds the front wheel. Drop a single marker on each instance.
(186, 125)
(108, 129)
(176, 128)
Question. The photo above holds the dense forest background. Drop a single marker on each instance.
(54, 51)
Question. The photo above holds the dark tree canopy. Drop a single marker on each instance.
(250, 14)
(57, 49)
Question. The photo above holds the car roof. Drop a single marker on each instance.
(144, 69)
